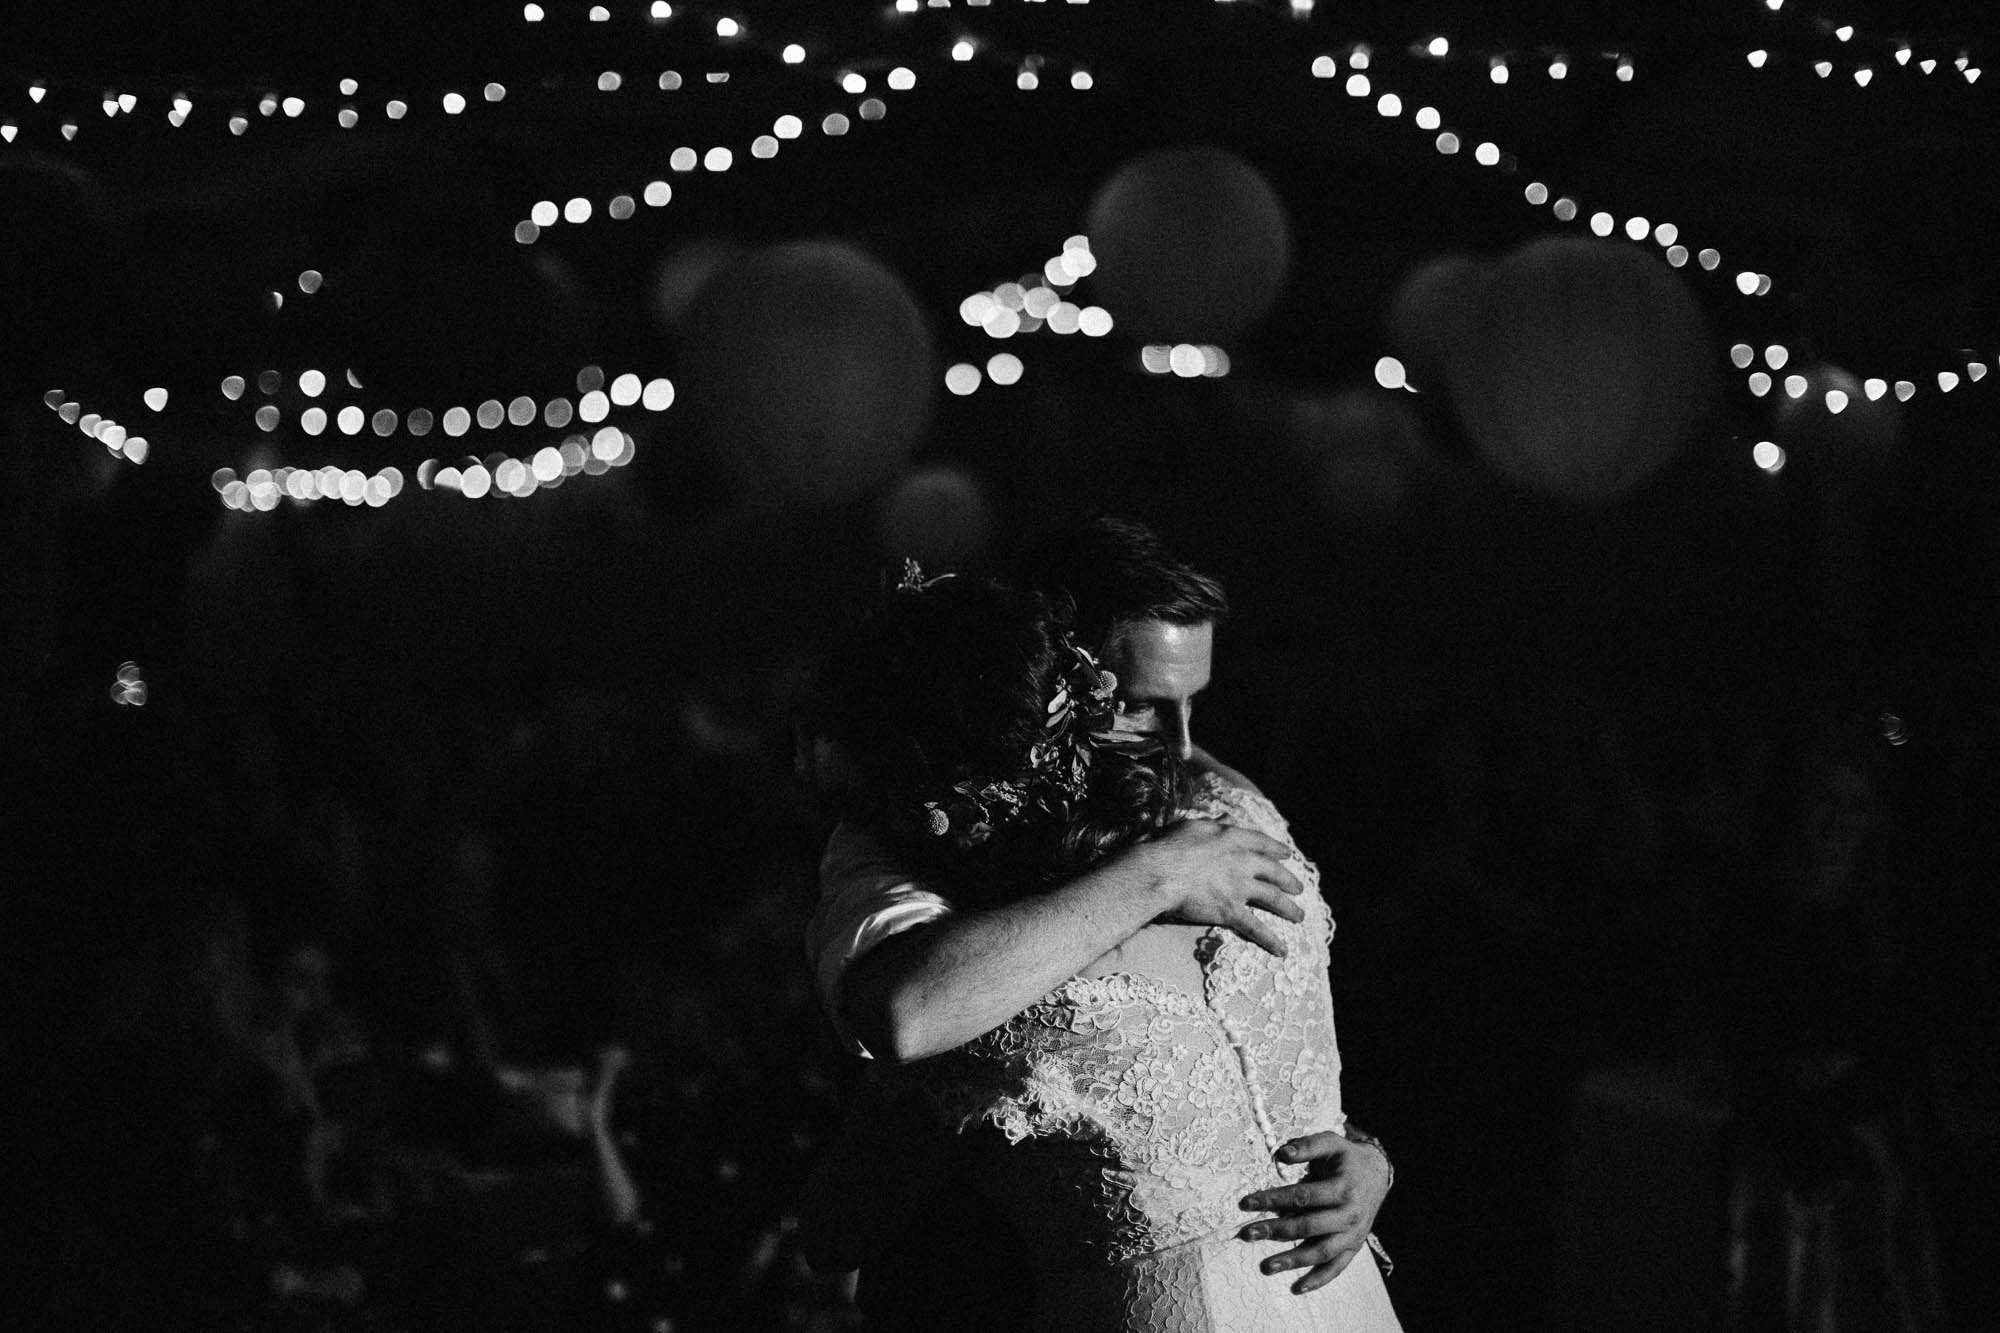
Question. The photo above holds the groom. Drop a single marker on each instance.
(904, 977)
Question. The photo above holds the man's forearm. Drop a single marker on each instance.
(939, 985)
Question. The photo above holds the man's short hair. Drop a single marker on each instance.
(1116, 570)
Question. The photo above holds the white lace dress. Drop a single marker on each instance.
(1120, 1119)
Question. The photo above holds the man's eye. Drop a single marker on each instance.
(1132, 708)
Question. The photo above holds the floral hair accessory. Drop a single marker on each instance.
(913, 579)
(1076, 719)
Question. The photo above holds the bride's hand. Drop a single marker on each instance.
(1330, 1213)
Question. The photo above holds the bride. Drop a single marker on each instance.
(1120, 1120)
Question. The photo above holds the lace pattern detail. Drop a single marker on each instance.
(1131, 1116)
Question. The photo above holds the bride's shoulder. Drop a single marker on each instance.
(1223, 793)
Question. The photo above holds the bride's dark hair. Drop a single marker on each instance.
(952, 682)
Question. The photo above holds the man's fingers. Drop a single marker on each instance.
(1325, 1250)
(1301, 1226)
(1311, 1147)
(1261, 843)
(1302, 1197)
(1250, 928)
(1324, 1273)
(1279, 905)
(1274, 872)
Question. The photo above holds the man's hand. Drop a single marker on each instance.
(1214, 874)
(1329, 1213)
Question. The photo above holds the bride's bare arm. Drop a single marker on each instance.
(938, 985)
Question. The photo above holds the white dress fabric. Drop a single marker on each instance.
(1120, 1119)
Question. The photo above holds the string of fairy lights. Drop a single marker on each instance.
(1034, 303)
(1862, 56)
(1748, 283)
(592, 452)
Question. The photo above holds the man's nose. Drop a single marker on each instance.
(1180, 734)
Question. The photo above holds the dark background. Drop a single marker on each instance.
(523, 769)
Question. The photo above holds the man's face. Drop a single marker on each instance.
(1160, 669)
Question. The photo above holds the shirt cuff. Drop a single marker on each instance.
(844, 941)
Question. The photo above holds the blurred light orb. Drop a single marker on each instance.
(1429, 311)
(548, 463)
(1094, 321)
(939, 515)
(684, 272)
(658, 394)
(577, 210)
(1584, 368)
(1363, 452)
(1389, 373)
(974, 309)
(809, 372)
(1004, 368)
(1190, 244)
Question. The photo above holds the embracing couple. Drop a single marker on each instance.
(1089, 966)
